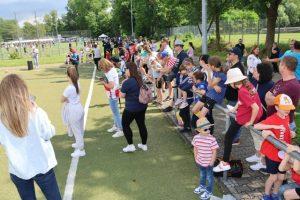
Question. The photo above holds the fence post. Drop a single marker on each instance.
(242, 29)
(278, 32)
(258, 24)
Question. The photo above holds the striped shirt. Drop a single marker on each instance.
(203, 146)
(171, 63)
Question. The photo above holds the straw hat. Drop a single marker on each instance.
(234, 75)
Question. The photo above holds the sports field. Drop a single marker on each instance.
(166, 171)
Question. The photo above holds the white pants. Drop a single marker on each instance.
(36, 61)
(73, 118)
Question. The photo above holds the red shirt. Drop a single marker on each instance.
(295, 177)
(245, 100)
(267, 148)
(203, 146)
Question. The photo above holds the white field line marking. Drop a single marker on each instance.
(74, 163)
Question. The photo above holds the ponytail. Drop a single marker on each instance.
(73, 75)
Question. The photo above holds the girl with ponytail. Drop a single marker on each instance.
(73, 112)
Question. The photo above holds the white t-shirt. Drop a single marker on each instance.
(112, 76)
(32, 154)
(96, 53)
(252, 62)
(71, 94)
(169, 50)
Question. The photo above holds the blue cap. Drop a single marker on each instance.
(164, 54)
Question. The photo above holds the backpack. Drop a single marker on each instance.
(145, 96)
(236, 170)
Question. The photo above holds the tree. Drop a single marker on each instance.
(51, 22)
(8, 29)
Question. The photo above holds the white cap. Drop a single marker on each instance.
(234, 75)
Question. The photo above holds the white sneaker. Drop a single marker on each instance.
(199, 190)
(222, 166)
(75, 146)
(129, 148)
(178, 101)
(78, 153)
(253, 158)
(183, 105)
(143, 147)
(206, 195)
(257, 166)
(118, 134)
(112, 129)
(70, 134)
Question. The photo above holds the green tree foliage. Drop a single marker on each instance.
(8, 29)
(29, 31)
(51, 21)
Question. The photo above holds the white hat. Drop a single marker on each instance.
(234, 75)
(178, 42)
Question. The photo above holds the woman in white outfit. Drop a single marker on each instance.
(25, 133)
(73, 113)
(252, 61)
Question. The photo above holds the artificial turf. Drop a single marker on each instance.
(166, 171)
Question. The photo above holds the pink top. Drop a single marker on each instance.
(203, 146)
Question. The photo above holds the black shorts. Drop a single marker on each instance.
(272, 166)
(203, 99)
(209, 103)
(297, 190)
(158, 83)
(168, 78)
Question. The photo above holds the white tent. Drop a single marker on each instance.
(103, 36)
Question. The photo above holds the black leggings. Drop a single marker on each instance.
(230, 135)
(185, 116)
(139, 117)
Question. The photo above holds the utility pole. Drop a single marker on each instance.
(37, 30)
(132, 33)
(58, 39)
(18, 34)
(204, 26)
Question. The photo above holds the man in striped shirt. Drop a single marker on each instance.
(205, 152)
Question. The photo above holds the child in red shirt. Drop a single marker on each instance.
(277, 125)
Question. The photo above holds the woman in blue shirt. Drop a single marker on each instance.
(134, 110)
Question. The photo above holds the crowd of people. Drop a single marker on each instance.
(133, 68)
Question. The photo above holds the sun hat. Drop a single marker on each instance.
(284, 102)
(234, 75)
(203, 123)
(178, 43)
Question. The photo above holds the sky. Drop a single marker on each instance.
(24, 9)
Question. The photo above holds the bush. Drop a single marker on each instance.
(188, 36)
(14, 55)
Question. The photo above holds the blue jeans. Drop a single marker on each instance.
(47, 183)
(238, 135)
(114, 106)
(206, 174)
(285, 187)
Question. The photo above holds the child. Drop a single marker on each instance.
(290, 190)
(215, 90)
(205, 152)
(200, 88)
(184, 83)
(190, 66)
(276, 125)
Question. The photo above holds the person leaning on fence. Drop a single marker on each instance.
(205, 153)
(215, 90)
(287, 85)
(134, 110)
(262, 81)
(290, 190)
(25, 133)
(276, 125)
(248, 111)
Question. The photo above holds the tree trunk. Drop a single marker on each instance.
(272, 14)
(218, 37)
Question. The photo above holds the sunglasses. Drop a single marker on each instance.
(207, 129)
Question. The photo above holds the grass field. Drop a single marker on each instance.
(166, 171)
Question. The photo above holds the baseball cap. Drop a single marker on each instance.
(203, 123)
(164, 54)
(236, 51)
(178, 43)
(284, 102)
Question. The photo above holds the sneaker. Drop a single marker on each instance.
(118, 134)
(143, 147)
(168, 109)
(222, 166)
(263, 171)
(75, 146)
(129, 148)
(178, 101)
(206, 195)
(78, 153)
(236, 143)
(185, 130)
(267, 197)
(183, 105)
(199, 190)
(253, 158)
(70, 134)
(112, 129)
(257, 166)
(167, 99)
